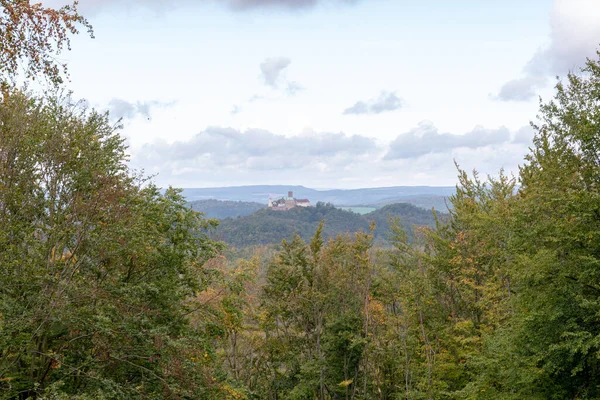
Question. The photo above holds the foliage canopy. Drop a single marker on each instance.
(97, 268)
(33, 36)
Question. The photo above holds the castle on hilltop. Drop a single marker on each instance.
(287, 203)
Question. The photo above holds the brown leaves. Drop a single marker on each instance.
(31, 36)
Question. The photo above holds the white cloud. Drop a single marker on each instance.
(426, 139)
(521, 89)
(257, 149)
(284, 4)
(119, 108)
(574, 36)
(272, 71)
(293, 88)
(272, 68)
(92, 6)
(387, 101)
(422, 156)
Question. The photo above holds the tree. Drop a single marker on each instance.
(32, 36)
(316, 304)
(558, 233)
(525, 265)
(98, 266)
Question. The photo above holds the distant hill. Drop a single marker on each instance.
(221, 209)
(270, 227)
(440, 203)
(408, 214)
(422, 196)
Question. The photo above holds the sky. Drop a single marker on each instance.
(326, 93)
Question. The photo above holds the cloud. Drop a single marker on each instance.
(524, 136)
(290, 4)
(422, 156)
(522, 89)
(293, 88)
(574, 36)
(283, 4)
(119, 108)
(91, 6)
(272, 68)
(426, 139)
(387, 101)
(271, 71)
(256, 149)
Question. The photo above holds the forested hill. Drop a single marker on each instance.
(269, 227)
(408, 214)
(221, 209)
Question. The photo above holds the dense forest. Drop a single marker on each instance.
(269, 226)
(113, 289)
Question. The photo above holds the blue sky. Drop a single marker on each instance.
(326, 93)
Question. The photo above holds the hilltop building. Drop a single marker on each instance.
(287, 203)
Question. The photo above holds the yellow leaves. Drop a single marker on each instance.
(64, 256)
(456, 261)
(345, 383)
(231, 393)
(196, 359)
(463, 327)
(377, 312)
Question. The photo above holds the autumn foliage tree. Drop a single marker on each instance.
(32, 38)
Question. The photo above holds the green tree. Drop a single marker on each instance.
(471, 259)
(444, 294)
(316, 301)
(97, 265)
(559, 242)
